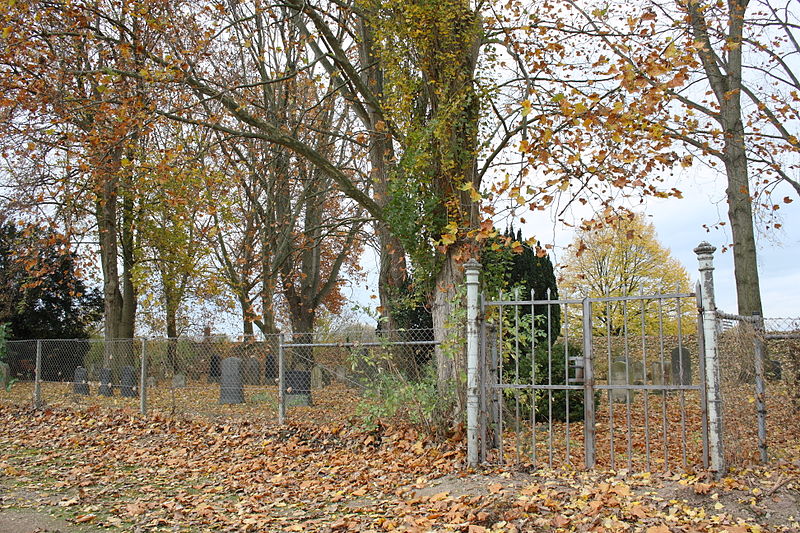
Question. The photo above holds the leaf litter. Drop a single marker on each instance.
(113, 469)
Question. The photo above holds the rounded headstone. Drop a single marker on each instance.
(214, 368)
(298, 387)
(231, 388)
(127, 385)
(80, 383)
(251, 371)
(681, 365)
(270, 369)
(105, 383)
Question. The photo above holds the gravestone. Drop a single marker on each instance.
(298, 387)
(179, 381)
(127, 382)
(270, 369)
(151, 382)
(214, 368)
(105, 383)
(618, 375)
(681, 362)
(661, 374)
(80, 383)
(231, 389)
(637, 375)
(251, 371)
(5, 375)
(320, 378)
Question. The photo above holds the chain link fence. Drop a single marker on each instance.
(760, 379)
(214, 376)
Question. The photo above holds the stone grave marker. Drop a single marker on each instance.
(179, 381)
(681, 362)
(637, 374)
(298, 387)
(214, 368)
(80, 383)
(127, 382)
(270, 370)
(661, 374)
(106, 389)
(231, 389)
(251, 371)
(618, 375)
(320, 378)
(151, 381)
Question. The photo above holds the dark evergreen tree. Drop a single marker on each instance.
(525, 271)
(520, 269)
(43, 297)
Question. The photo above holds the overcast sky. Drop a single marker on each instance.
(680, 224)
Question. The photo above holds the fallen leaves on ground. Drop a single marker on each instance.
(117, 469)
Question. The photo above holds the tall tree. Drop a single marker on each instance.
(622, 259)
(43, 295)
(718, 78)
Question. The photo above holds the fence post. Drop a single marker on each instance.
(588, 387)
(705, 258)
(281, 382)
(37, 386)
(761, 409)
(472, 270)
(143, 380)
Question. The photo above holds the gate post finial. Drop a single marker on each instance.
(472, 271)
(705, 257)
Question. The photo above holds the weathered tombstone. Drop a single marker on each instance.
(151, 381)
(214, 368)
(661, 374)
(681, 362)
(340, 373)
(5, 375)
(105, 383)
(618, 375)
(231, 388)
(637, 373)
(127, 382)
(298, 387)
(319, 378)
(251, 371)
(270, 369)
(179, 381)
(80, 383)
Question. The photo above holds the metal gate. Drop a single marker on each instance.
(612, 382)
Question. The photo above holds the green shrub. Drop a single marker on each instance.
(420, 402)
(552, 368)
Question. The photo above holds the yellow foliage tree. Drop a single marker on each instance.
(625, 258)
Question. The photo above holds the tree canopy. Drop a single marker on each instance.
(622, 259)
(42, 294)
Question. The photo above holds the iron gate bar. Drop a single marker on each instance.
(680, 373)
(601, 299)
(664, 420)
(643, 352)
(646, 396)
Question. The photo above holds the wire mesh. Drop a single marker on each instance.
(760, 375)
(214, 376)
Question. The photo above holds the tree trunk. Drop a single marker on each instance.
(107, 234)
(740, 214)
(450, 359)
(725, 79)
